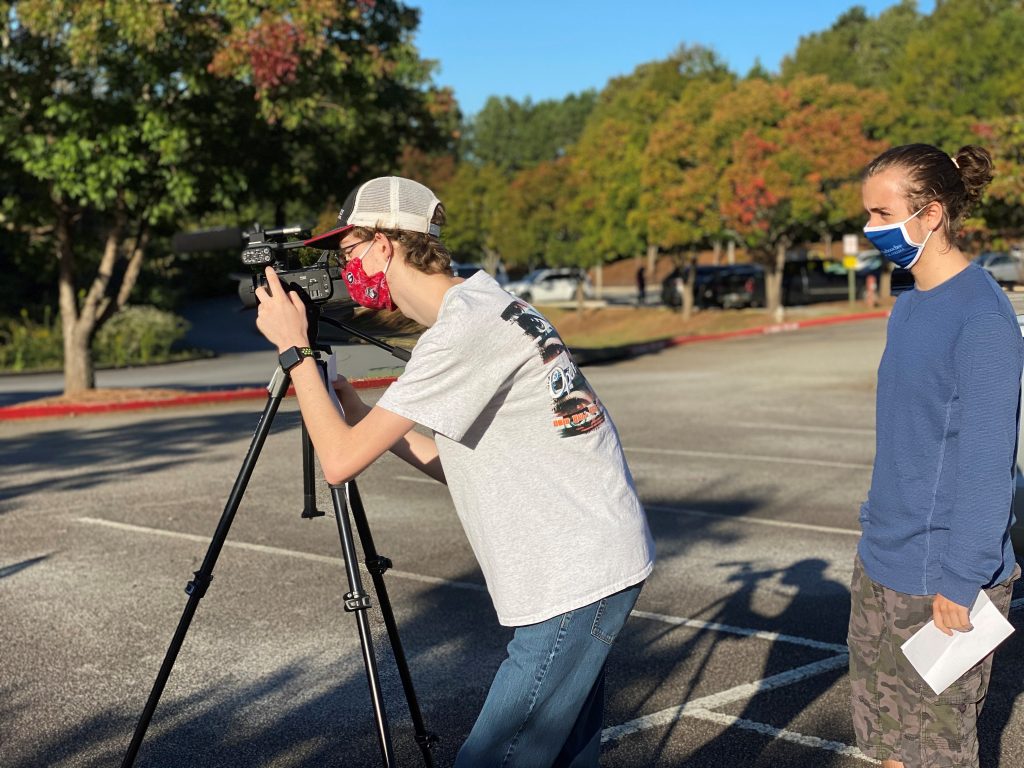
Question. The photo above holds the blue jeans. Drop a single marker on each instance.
(546, 703)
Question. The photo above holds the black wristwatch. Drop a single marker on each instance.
(293, 356)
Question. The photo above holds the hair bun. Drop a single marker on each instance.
(975, 165)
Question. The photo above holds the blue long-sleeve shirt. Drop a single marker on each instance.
(938, 514)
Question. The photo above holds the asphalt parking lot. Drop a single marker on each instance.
(752, 457)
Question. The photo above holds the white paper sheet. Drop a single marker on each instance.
(941, 660)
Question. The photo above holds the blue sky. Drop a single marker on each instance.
(547, 50)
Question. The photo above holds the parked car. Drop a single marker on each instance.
(460, 269)
(725, 286)
(805, 281)
(703, 290)
(739, 286)
(1005, 268)
(554, 284)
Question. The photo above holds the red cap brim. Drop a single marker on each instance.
(328, 241)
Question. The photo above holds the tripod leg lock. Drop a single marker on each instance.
(378, 565)
(427, 740)
(357, 601)
(198, 585)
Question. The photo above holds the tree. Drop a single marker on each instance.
(119, 118)
(679, 172)
(473, 200)
(961, 65)
(513, 135)
(533, 225)
(608, 160)
(856, 48)
(780, 162)
(1003, 207)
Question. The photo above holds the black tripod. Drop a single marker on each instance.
(357, 601)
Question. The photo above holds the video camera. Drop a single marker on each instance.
(320, 282)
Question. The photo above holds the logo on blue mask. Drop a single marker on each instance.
(895, 244)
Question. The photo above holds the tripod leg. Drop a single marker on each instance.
(309, 508)
(196, 588)
(358, 602)
(377, 565)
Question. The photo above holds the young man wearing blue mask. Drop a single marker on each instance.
(935, 526)
(529, 453)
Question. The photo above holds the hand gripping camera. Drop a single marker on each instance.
(319, 283)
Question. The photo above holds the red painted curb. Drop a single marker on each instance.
(198, 398)
(45, 411)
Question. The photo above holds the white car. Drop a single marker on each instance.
(1005, 268)
(554, 284)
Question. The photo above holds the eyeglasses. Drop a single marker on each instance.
(345, 251)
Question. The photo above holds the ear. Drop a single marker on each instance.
(933, 214)
(381, 241)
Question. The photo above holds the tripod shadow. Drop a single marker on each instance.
(13, 568)
(73, 460)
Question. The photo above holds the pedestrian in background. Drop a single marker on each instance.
(641, 286)
(935, 526)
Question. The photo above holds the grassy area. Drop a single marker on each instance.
(612, 326)
(617, 326)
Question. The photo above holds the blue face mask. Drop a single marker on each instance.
(895, 244)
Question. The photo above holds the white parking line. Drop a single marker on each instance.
(748, 457)
(752, 520)
(701, 709)
(714, 626)
(731, 721)
(263, 549)
(434, 580)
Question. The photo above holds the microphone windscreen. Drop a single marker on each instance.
(222, 239)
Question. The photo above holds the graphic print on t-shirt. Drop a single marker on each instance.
(574, 403)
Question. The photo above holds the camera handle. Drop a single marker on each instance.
(355, 601)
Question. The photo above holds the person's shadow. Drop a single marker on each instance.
(1006, 686)
(818, 611)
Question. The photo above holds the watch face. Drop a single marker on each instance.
(290, 358)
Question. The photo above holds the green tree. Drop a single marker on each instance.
(513, 135)
(963, 64)
(533, 225)
(473, 200)
(120, 118)
(856, 48)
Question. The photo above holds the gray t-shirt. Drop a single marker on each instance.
(531, 457)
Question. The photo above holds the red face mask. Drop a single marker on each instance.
(370, 291)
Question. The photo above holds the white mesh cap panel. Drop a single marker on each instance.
(395, 203)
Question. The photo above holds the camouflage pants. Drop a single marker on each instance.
(896, 715)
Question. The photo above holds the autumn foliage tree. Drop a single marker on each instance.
(122, 118)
